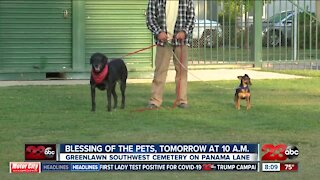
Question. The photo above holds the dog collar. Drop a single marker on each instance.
(99, 77)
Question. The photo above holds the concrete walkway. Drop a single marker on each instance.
(194, 75)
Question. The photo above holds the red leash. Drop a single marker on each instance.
(143, 49)
(150, 109)
(135, 52)
(144, 109)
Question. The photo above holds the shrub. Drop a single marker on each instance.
(308, 30)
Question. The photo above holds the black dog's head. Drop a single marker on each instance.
(98, 61)
(245, 80)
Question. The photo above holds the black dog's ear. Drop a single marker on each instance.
(105, 59)
(91, 59)
(239, 77)
(93, 56)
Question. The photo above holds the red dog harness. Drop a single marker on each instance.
(99, 77)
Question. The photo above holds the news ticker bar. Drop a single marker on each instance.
(38, 167)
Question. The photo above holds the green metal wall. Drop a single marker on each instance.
(37, 39)
(35, 36)
(117, 28)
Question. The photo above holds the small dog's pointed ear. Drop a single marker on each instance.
(239, 77)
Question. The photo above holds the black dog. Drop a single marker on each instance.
(104, 76)
(243, 92)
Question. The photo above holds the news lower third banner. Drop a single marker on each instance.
(157, 157)
(158, 153)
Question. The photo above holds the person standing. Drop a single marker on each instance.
(171, 22)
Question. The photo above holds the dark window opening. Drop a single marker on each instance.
(55, 75)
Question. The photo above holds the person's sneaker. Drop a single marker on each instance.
(152, 106)
(183, 106)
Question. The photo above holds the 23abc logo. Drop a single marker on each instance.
(40, 151)
(279, 152)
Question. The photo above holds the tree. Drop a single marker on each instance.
(318, 9)
(238, 8)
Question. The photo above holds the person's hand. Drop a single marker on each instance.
(181, 35)
(162, 36)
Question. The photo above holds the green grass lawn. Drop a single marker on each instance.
(283, 111)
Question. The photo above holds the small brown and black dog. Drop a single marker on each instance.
(243, 92)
